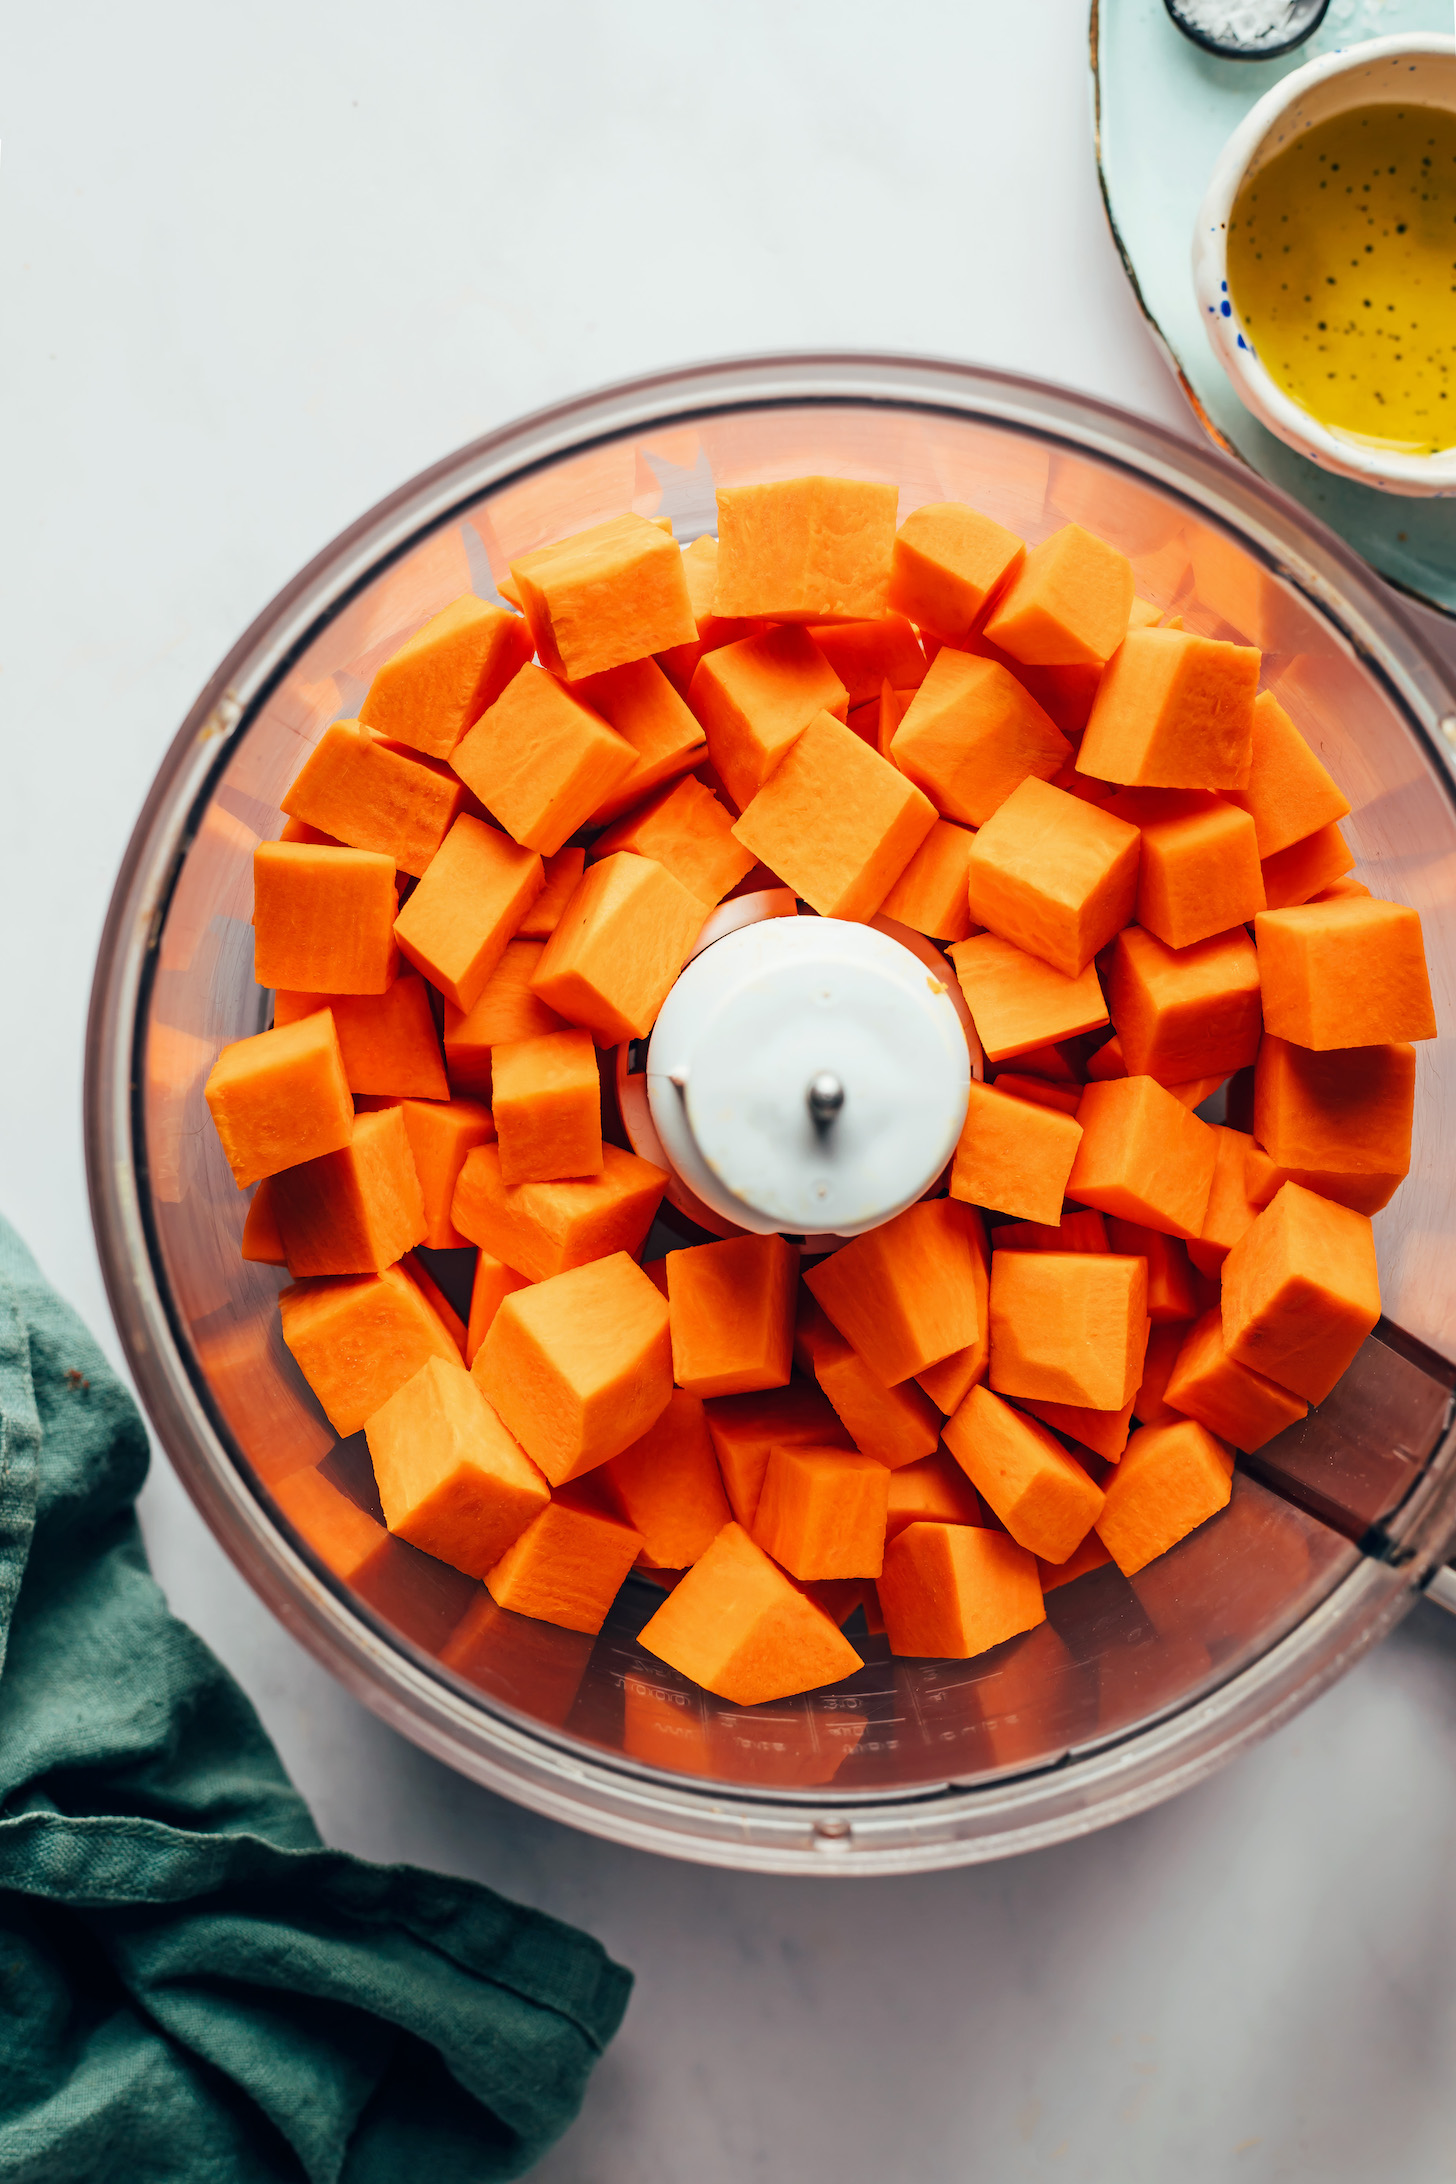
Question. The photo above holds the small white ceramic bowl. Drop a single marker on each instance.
(1383, 71)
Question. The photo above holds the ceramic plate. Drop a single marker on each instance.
(1164, 111)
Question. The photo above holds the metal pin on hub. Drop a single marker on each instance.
(826, 1097)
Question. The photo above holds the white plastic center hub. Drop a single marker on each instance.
(808, 1075)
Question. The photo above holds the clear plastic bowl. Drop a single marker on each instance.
(1130, 1691)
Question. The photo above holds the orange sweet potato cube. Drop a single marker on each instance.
(1173, 711)
(280, 1097)
(579, 1366)
(492, 1283)
(1289, 794)
(815, 1335)
(1143, 1156)
(1263, 1176)
(1042, 1495)
(896, 1426)
(1091, 1555)
(836, 821)
(456, 924)
(261, 1242)
(1183, 1013)
(667, 1485)
(358, 1337)
(1236, 1403)
(745, 1428)
(865, 721)
(822, 1512)
(1149, 1406)
(1014, 1156)
(948, 1382)
(542, 1229)
(620, 943)
(363, 791)
(454, 1326)
(388, 1040)
(1301, 1291)
(547, 1108)
(541, 762)
(949, 560)
(563, 876)
(1067, 605)
(1053, 875)
(442, 679)
(296, 830)
(867, 655)
(1068, 1327)
(933, 1491)
(1017, 1002)
(1171, 1293)
(1074, 1232)
(931, 895)
(1230, 1208)
(971, 733)
(700, 567)
(690, 834)
(508, 1008)
(357, 1210)
(732, 1307)
(892, 708)
(1196, 1090)
(1171, 1479)
(1336, 890)
(1103, 1431)
(805, 549)
(755, 699)
(1307, 869)
(1064, 693)
(442, 1133)
(1062, 1098)
(1344, 974)
(451, 1479)
(744, 1631)
(567, 1567)
(605, 596)
(1200, 871)
(642, 705)
(1338, 1122)
(904, 1295)
(949, 1591)
(323, 919)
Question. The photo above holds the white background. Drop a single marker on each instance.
(258, 265)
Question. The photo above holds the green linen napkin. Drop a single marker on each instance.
(191, 1988)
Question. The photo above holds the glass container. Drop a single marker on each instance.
(1130, 1690)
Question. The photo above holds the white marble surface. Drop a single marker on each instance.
(260, 264)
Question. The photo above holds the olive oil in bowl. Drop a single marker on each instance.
(1342, 269)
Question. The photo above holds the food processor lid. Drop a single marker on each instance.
(808, 1075)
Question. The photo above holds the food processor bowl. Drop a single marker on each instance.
(1131, 1690)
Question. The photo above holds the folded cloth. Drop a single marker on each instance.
(191, 1988)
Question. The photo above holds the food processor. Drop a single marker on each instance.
(1131, 1689)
